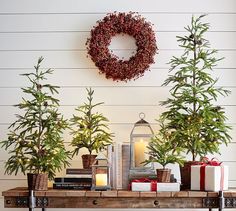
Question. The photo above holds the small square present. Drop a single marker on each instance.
(143, 184)
(154, 186)
(209, 177)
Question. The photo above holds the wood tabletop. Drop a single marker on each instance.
(23, 191)
(52, 198)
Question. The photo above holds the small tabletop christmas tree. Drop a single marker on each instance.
(161, 151)
(90, 130)
(196, 123)
(35, 140)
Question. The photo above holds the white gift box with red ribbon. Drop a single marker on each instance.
(209, 177)
(147, 186)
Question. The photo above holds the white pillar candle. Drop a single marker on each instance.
(101, 179)
(139, 153)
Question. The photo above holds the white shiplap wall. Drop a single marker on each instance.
(58, 29)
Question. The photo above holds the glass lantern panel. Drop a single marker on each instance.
(102, 162)
(101, 176)
(140, 151)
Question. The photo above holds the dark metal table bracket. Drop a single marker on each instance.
(230, 202)
(211, 203)
(32, 202)
(219, 202)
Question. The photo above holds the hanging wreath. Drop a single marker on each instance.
(111, 65)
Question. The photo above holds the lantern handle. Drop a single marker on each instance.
(142, 115)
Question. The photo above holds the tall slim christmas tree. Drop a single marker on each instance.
(195, 121)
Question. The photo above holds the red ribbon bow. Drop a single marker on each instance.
(212, 162)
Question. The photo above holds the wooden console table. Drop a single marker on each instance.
(22, 198)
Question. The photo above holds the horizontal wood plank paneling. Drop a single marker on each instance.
(80, 78)
(84, 22)
(111, 96)
(121, 134)
(76, 41)
(154, 6)
(116, 114)
(79, 59)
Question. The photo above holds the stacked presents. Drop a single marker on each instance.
(207, 176)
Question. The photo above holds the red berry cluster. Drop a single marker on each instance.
(108, 63)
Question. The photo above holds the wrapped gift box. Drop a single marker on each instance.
(147, 186)
(209, 178)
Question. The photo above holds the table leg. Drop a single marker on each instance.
(221, 200)
(32, 209)
(32, 200)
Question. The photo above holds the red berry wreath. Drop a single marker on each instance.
(108, 63)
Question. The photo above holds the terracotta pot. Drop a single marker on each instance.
(163, 175)
(185, 173)
(37, 181)
(88, 160)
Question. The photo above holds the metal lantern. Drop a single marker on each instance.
(101, 173)
(139, 139)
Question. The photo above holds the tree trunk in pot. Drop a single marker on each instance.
(88, 160)
(185, 172)
(163, 175)
(37, 181)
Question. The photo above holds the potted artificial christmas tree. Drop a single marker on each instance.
(90, 130)
(161, 151)
(196, 123)
(35, 141)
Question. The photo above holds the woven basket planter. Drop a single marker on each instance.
(88, 160)
(163, 175)
(37, 181)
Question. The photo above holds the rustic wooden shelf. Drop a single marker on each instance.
(19, 198)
